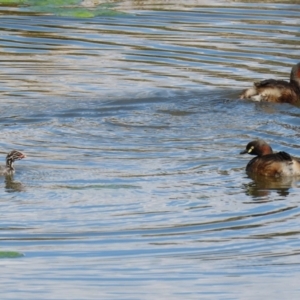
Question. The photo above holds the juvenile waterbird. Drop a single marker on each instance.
(11, 157)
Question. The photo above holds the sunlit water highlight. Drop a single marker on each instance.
(134, 187)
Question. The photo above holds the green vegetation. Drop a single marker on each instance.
(53, 3)
(63, 8)
(11, 2)
(10, 254)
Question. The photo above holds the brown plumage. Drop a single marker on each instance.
(272, 90)
(267, 163)
(11, 157)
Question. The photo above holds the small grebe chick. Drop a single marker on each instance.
(11, 157)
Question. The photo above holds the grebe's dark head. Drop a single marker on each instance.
(258, 147)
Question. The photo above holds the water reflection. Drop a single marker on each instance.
(13, 186)
(262, 186)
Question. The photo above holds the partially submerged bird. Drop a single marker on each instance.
(272, 90)
(268, 163)
(12, 156)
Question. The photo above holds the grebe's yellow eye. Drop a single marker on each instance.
(250, 150)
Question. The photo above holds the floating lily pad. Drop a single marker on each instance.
(10, 254)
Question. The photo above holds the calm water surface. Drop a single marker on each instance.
(134, 187)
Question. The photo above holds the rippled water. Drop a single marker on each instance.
(134, 187)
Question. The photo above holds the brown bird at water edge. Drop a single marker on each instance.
(278, 91)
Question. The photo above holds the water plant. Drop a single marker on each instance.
(65, 8)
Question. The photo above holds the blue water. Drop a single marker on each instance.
(133, 186)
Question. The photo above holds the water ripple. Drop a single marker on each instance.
(132, 128)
